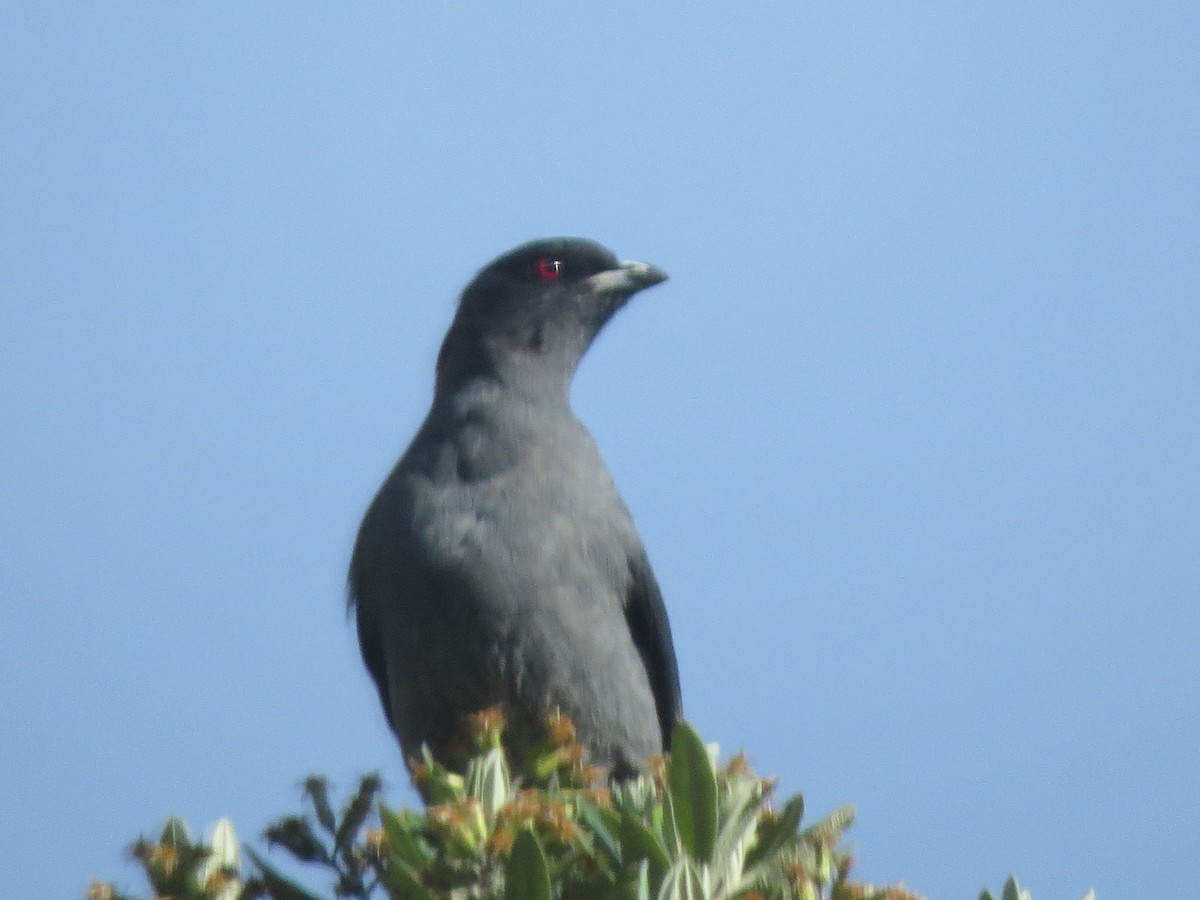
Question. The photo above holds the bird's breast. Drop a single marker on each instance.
(499, 510)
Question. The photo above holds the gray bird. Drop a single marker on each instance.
(498, 565)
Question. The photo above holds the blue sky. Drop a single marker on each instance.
(911, 434)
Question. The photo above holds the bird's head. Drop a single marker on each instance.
(528, 317)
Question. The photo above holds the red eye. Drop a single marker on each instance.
(548, 269)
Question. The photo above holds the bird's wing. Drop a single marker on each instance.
(369, 630)
(646, 616)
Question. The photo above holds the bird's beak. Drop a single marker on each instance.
(627, 278)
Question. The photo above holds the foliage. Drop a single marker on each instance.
(687, 829)
(1013, 891)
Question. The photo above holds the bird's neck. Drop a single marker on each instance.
(518, 370)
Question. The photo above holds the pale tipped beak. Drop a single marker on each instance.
(644, 274)
(628, 277)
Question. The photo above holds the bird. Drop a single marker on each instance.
(498, 565)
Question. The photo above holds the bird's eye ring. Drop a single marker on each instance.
(548, 269)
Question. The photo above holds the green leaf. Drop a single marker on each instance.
(408, 856)
(775, 834)
(402, 880)
(641, 887)
(175, 833)
(254, 889)
(356, 813)
(295, 834)
(741, 810)
(316, 787)
(224, 844)
(278, 886)
(171, 864)
(438, 784)
(488, 782)
(831, 828)
(638, 842)
(685, 880)
(693, 785)
(1012, 891)
(601, 831)
(527, 875)
(223, 858)
(404, 842)
(665, 820)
